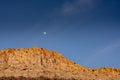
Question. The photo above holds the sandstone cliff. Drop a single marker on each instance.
(36, 62)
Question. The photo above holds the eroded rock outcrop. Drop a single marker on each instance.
(35, 62)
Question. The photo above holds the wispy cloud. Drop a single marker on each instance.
(103, 53)
(109, 48)
(77, 6)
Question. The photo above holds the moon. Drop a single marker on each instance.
(44, 33)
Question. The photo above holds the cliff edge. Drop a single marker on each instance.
(36, 62)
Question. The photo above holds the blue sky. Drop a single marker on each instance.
(85, 31)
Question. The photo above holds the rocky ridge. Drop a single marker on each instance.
(35, 62)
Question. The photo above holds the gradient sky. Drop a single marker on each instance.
(85, 31)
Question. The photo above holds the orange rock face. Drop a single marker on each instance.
(35, 62)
